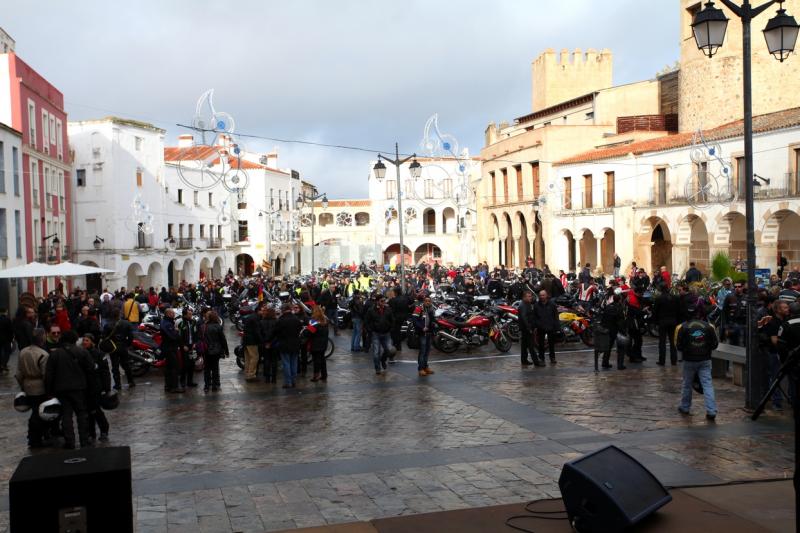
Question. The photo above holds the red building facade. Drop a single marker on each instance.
(32, 105)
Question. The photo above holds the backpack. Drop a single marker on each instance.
(107, 344)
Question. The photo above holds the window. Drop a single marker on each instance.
(661, 186)
(219, 232)
(45, 132)
(180, 196)
(447, 187)
(242, 230)
(2, 167)
(202, 231)
(587, 191)
(610, 200)
(391, 189)
(61, 201)
(567, 193)
(3, 234)
(169, 230)
(211, 199)
(795, 189)
(741, 180)
(47, 203)
(80, 177)
(35, 183)
(428, 189)
(32, 123)
(18, 233)
(52, 129)
(505, 185)
(196, 197)
(271, 199)
(60, 139)
(137, 142)
(180, 231)
(15, 168)
(139, 179)
(494, 188)
(535, 177)
(191, 231)
(518, 179)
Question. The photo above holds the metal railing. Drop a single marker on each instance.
(143, 240)
(184, 243)
(214, 242)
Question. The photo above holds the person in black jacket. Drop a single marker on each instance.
(666, 311)
(356, 316)
(379, 321)
(423, 323)
(253, 338)
(98, 384)
(188, 331)
(65, 378)
(24, 322)
(269, 352)
(287, 335)
(316, 334)
(697, 340)
(545, 316)
(613, 320)
(526, 329)
(328, 299)
(216, 347)
(170, 343)
(121, 332)
(401, 307)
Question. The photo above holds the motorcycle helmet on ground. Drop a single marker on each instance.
(50, 410)
(109, 400)
(21, 403)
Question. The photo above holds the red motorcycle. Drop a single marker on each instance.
(477, 330)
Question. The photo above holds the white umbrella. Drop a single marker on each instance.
(41, 270)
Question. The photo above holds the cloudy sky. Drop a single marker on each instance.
(362, 73)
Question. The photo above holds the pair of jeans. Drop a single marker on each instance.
(424, 351)
(211, 371)
(74, 402)
(289, 363)
(380, 348)
(332, 319)
(703, 371)
(667, 331)
(735, 333)
(355, 341)
(320, 364)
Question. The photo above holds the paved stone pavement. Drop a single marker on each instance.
(481, 431)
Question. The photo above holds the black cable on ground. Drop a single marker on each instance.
(536, 515)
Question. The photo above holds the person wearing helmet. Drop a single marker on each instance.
(99, 384)
(30, 375)
(66, 378)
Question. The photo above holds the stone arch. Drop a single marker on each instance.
(244, 265)
(429, 221)
(569, 252)
(522, 237)
(653, 243)
(391, 254)
(508, 258)
(155, 275)
(216, 270)
(608, 248)
(693, 238)
(134, 275)
(448, 220)
(782, 231)
(92, 282)
(588, 248)
(427, 253)
(205, 267)
(731, 234)
(188, 272)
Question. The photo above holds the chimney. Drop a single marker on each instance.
(272, 159)
(185, 140)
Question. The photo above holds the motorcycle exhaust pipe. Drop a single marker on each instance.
(451, 337)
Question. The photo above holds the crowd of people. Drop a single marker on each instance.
(72, 347)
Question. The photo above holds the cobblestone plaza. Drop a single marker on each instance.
(481, 431)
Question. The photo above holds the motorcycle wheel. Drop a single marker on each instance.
(587, 337)
(329, 350)
(502, 343)
(139, 365)
(652, 329)
(445, 345)
(240, 362)
(513, 332)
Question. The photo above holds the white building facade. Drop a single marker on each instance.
(650, 203)
(12, 208)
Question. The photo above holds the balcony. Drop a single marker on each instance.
(214, 243)
(429, 228)
(787, 185)
(184, 243)
(583, 212)
(143, 241)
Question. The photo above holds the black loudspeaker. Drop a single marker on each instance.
(82, 491)
(608, 490)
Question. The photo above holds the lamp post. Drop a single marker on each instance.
(98, 242)
(56, 243)
(302, 198)
(709, 27)
(380, 172)
(261, 214)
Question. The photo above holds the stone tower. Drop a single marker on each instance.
(711, 89)
(561, 77)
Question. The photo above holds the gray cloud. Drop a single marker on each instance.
(356, 72)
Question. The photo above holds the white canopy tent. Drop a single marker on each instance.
(42, 270)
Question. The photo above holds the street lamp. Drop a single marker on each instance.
(303, 199)
(55, 244)
(709, 26)
(170, 243)
(98, 242)
(380, 172)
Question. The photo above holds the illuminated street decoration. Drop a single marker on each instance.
(710, 182)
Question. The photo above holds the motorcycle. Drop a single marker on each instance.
(573, 327)
(476, 331)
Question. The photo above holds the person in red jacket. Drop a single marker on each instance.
(62, 317)
(667, 277)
